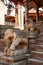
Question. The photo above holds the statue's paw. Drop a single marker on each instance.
(8, 53)
(5, 53)
(11, 52)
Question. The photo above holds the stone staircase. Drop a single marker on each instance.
(37, 49)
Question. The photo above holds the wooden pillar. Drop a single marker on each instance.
(16, 16)
(37, 15)
(20, 16)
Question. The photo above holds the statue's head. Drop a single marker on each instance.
(8, 33)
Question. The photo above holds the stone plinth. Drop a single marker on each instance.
(16, 60)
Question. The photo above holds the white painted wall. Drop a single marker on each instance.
(2, 13)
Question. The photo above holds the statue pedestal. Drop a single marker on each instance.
(17, 60)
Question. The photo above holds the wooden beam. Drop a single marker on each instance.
(34, 5)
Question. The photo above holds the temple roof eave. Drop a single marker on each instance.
(39, 3)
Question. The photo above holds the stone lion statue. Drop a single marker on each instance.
(12, 42)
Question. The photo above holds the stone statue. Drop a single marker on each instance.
(12, 42)
(30, 25)
(32, 28)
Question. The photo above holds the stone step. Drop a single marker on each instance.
(23, 62)
(40, 42)
(38, 27)
(36, 61)
(39, 38)
(32, 47)
(38, 24)
(10, 59)
(42, 27)
(32, 41)
(39, 47)
(41, 35)
(6, 59)
(41, 30)
(37, 54)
